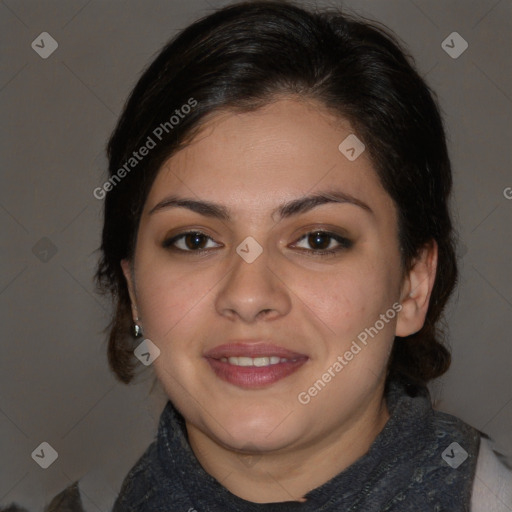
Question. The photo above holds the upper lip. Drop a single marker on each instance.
(251, 348)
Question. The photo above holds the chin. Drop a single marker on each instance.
(258, 428)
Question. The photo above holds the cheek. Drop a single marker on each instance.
(348, 300)
(167, 295)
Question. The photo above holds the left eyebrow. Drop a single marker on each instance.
(288, 209)
(307, 203)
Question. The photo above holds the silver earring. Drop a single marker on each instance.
(137, 330)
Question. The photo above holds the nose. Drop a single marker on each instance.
(252, 290)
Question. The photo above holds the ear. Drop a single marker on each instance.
(416, 290)
(126, 265)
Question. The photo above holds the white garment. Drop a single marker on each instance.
(492, 487)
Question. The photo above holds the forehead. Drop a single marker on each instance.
(258, 159)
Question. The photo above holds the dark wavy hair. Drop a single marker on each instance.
(247, 55)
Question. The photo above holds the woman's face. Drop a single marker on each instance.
(250, 330)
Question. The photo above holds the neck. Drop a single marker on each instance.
(288, 475)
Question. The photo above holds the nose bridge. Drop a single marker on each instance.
(250, 285)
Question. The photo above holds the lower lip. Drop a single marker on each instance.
(253, 377)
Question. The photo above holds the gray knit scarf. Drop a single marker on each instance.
(422, 461)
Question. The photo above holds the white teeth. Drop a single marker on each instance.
(254, 361)
(261, 361)
(241, 361)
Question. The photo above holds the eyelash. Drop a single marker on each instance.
(345, 243)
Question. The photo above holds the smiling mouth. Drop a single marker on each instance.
(253, 365)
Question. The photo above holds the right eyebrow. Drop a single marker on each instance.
(206, 208)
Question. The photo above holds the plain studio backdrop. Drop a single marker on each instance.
(57, 113)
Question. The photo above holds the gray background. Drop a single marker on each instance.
(57, 114)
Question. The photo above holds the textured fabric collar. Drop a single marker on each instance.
(413, 464)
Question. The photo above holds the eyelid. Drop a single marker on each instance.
(343, 242)
(169, 241)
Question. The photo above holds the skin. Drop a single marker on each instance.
(261, 444)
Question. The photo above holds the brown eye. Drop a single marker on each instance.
(324, 242)
(319, 240)
(191, 241)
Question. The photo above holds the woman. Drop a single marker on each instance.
(278, 243)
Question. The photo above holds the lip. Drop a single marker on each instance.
(253, 377)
